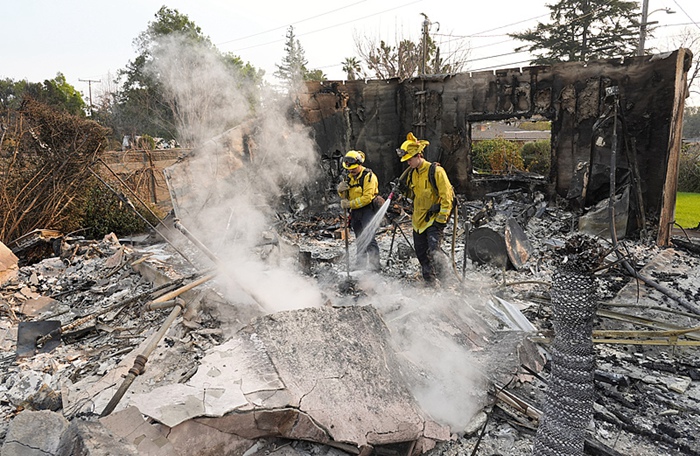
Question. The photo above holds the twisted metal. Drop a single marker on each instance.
(568, 407)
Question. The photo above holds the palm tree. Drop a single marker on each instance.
(351, 66)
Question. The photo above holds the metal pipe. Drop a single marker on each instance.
(140, 362)
(74, 324)
(391, 246)
(346, 235)
(141, 359)
(162, 305)
(196, 241)
(467, 228)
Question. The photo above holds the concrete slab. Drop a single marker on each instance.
(319, 374)
(91, 438)
(193, 437)
(339, 367)
(130, 426)
(224, 376)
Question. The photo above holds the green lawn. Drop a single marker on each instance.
(688, 209)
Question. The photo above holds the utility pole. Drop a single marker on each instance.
(643, 27)
(90, 81)
(645, 22)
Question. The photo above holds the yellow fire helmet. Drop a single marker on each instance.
(411, 147)
(353, 159)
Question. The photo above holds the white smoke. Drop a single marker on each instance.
(246, 158)
(430, 331)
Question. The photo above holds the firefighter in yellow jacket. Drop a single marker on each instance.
(357, 193)
(430, 189)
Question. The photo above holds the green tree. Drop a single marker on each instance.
(689, 168)
(537, 156)
(55, 92)
(582, 30)
(352, 68)
(148, 102)
(292, 71)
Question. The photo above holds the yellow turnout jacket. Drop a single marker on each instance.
(363, 188)
(424, 196)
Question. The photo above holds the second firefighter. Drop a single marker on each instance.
(357, 192)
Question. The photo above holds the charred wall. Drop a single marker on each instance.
(374, 116)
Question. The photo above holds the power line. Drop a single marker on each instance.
(495, 56)
(686, 13)
(476, 35)
(325, 28)
(496, 67)
(293, 23)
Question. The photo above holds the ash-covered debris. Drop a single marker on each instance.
(490, 396)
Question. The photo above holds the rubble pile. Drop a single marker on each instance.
(384, 365)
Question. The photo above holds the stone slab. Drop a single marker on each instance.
(34, 434)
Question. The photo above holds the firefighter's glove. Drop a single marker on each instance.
(434, 209)
(439, 226)
(343, 187)
(345, 204)
(395, 184)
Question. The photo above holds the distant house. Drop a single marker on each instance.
(509, 131)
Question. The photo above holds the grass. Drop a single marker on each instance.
(688, 209)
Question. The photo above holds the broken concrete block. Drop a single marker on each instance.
(130, 426)
(339, 366)
(23, 438)
(91, 438)
(25, 384)
(194, 437)
(173, 404)
(227, 373)
(44, 399)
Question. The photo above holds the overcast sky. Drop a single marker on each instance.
(92, 39)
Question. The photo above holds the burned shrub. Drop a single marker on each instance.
(46, 176)
(44, 169)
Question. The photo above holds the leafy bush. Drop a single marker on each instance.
(537, 156)
(104, 213)
(45, 168)
(497, 156)
(689, 169)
